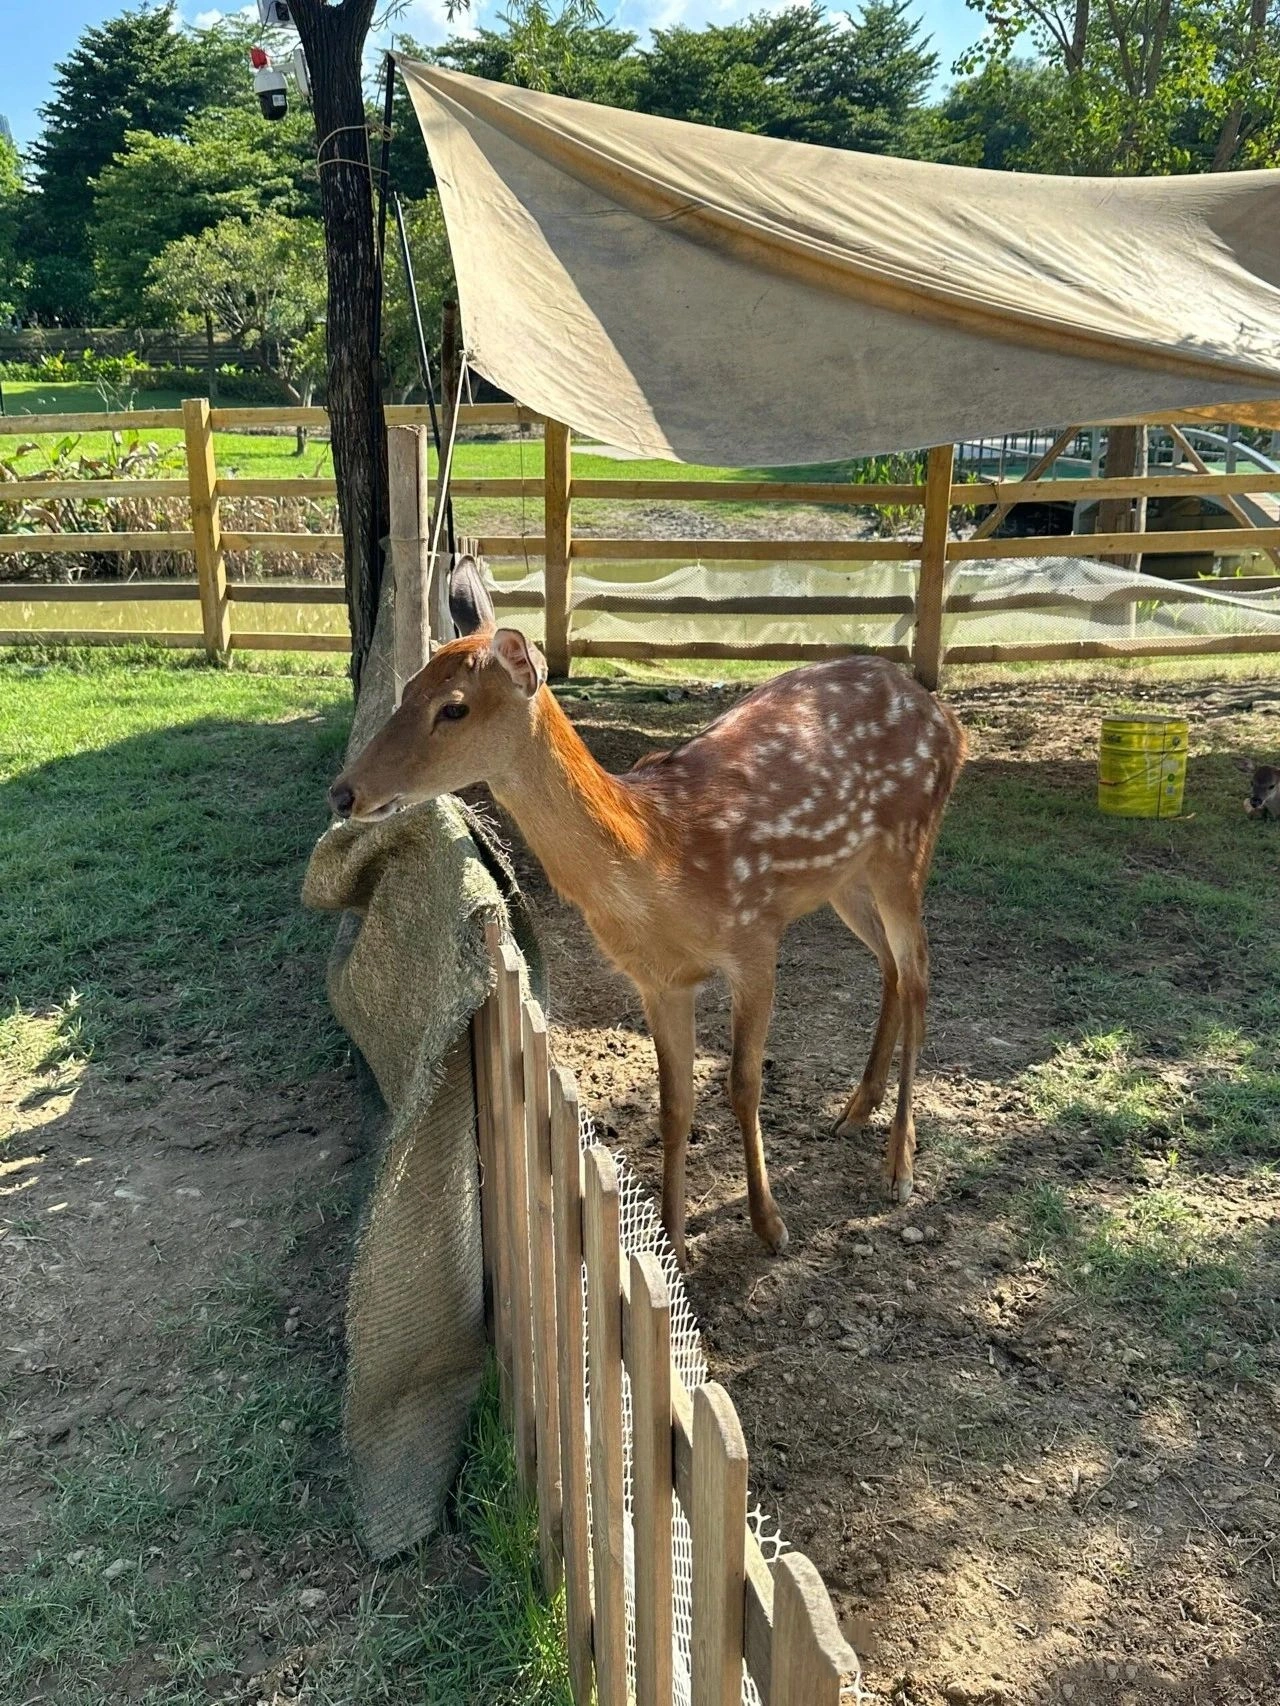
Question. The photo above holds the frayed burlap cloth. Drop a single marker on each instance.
(408, 970)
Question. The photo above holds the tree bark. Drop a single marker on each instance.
(1126, 457)
(1079, 38)
(333, 38)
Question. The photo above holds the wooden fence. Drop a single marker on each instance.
(550, 1216)
(922, 614)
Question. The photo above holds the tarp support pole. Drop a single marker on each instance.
(409, 499)
(931, 588)
(558, 478)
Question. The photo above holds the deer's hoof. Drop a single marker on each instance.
(862, 1108)
(900, 1189)
(772, 1233)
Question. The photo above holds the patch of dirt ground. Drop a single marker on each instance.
(1016, 1492)
(127, 1210)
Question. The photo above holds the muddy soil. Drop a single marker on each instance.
(1015, 1495)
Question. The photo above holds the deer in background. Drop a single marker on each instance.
(826, 785)
(1264, 792)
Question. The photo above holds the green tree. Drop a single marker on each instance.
(226, 165)
(14, 275)
(433, 276)
(797, 74)
(262, 281)
(1149, 85)
(572, 52)
(1005, 118)
(136, 72)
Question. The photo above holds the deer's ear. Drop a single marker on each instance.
(523, 662)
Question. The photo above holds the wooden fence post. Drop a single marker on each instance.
(650, 1365)
(409, 495)
(516, 1176)
(481, 1055)
(811, 1660)
(931, 589)
(558, 527)
(497, 1197)
(719, 1523)
(537, 1126)
(206, 526)
(566, 1184)
(604, 1353)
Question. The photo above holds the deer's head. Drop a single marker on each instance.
(465, 718)
(1264, 792)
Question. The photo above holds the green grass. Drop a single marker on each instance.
(262, 456)
(30, 397)
(154, 827)
(1160, 1261)
(1166, 994)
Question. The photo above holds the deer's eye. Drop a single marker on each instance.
(453, 713)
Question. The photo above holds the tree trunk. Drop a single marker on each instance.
(1126, 457)
(333, 40)
(1228, 144)
(1079, 38)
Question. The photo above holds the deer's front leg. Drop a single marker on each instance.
(670, 1016)
(752, 1008)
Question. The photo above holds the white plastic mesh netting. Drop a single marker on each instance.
(1055, 599)
(641, 1231)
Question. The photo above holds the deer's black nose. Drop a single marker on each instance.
(341, 799)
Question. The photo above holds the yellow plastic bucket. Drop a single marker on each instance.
(1142, 766)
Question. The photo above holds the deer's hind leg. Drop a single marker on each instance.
(752, 990)
(856, 906)
(670, 1013)
(898, 901)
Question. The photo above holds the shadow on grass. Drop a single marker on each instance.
(151, 892)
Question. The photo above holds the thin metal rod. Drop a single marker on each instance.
(424, 361)
(377, 425)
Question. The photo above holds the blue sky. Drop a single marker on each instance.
(33, 38)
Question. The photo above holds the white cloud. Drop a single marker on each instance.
(667, 15)
(428, 21)
(215, 15)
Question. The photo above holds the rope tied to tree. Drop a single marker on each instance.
(377, 132)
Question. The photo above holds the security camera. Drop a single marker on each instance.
(268, 85)
(275, 12)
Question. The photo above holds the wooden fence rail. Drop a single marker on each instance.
(917, 638)
(571, 1310)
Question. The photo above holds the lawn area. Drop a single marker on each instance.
(179, 1174)
(261, 456)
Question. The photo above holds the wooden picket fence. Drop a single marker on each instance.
(551, 1216)
(557, 489)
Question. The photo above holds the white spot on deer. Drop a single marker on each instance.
(923, 748)
(742, 868)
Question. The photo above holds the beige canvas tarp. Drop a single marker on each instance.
(682, 291)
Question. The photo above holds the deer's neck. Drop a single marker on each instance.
(593, 835)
